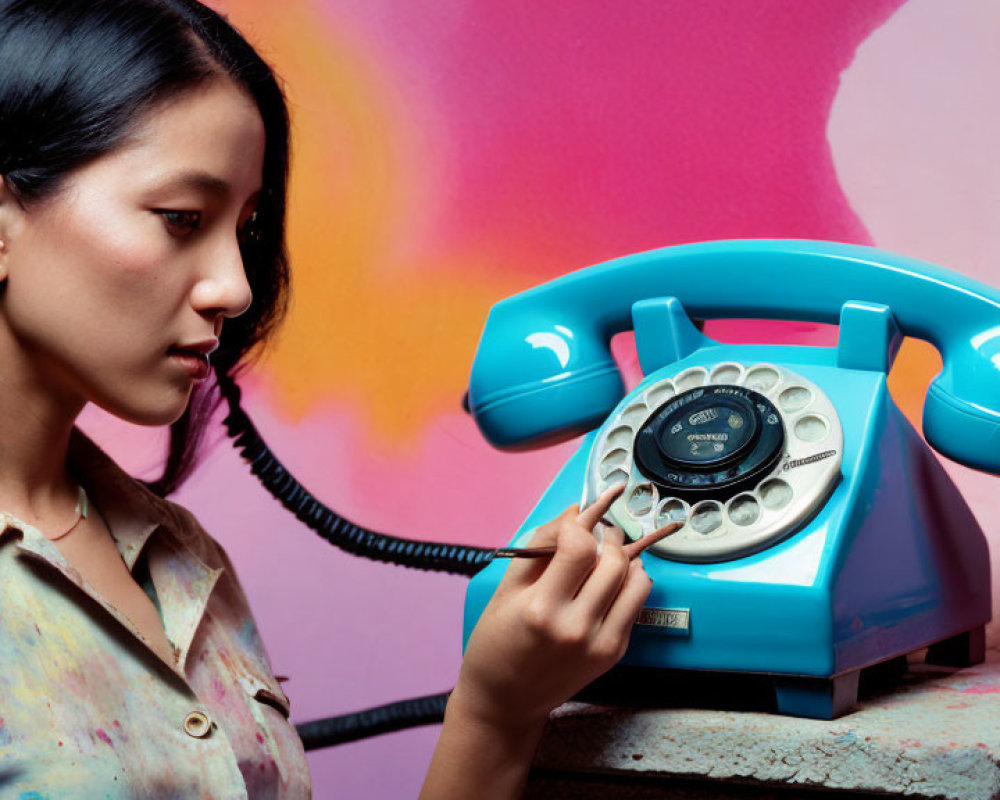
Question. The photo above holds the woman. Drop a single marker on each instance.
(143, 154)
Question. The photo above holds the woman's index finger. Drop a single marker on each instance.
(593, 513)
(632, 549)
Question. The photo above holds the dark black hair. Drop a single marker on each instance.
(76, 76)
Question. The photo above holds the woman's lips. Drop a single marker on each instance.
(195, 363)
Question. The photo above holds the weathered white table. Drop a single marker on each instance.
(931, 732)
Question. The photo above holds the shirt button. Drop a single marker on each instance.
(197, 724)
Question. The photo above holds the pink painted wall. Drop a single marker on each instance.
(450, 154)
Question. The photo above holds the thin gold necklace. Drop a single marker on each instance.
(81, 509)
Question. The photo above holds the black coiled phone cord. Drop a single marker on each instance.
(342, 533)
(428, 710)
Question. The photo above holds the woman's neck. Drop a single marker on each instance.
(35, 426)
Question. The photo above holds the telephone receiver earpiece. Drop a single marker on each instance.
(544, 371)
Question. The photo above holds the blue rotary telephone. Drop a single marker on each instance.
(821, 535)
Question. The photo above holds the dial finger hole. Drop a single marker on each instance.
(669, 511)
(812, 428)
(615, 461)
(775, 494)
(619, 437)
(618, 477)
(641, 499)
(762, 379)
(726, 373)
(691, 379)
(660, 394)
(795, 398)
(635, 415)
(706, 517)
(744, 509)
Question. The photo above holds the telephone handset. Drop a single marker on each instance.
(544, 370)
(821, 536)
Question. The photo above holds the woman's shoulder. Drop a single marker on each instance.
(185, 527)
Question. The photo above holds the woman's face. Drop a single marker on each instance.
(117, 287)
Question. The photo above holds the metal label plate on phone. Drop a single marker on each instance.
(672, 621)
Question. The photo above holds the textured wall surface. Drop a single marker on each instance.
(449, 154)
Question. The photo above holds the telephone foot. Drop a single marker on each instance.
(816, 698)
(963, 650)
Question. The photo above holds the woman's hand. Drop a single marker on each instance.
(553, 625)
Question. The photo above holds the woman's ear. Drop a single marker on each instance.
(3, 242)
(6, 201)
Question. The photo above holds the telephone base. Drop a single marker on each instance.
(789, 695)
(888, 559)
(829, 698)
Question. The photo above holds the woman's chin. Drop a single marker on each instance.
(165, 410)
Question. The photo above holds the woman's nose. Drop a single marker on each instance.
(223, 288)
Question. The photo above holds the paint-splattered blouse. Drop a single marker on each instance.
(87, 710)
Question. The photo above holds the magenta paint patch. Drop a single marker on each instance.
(577, 132)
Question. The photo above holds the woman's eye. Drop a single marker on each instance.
(179, 223)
